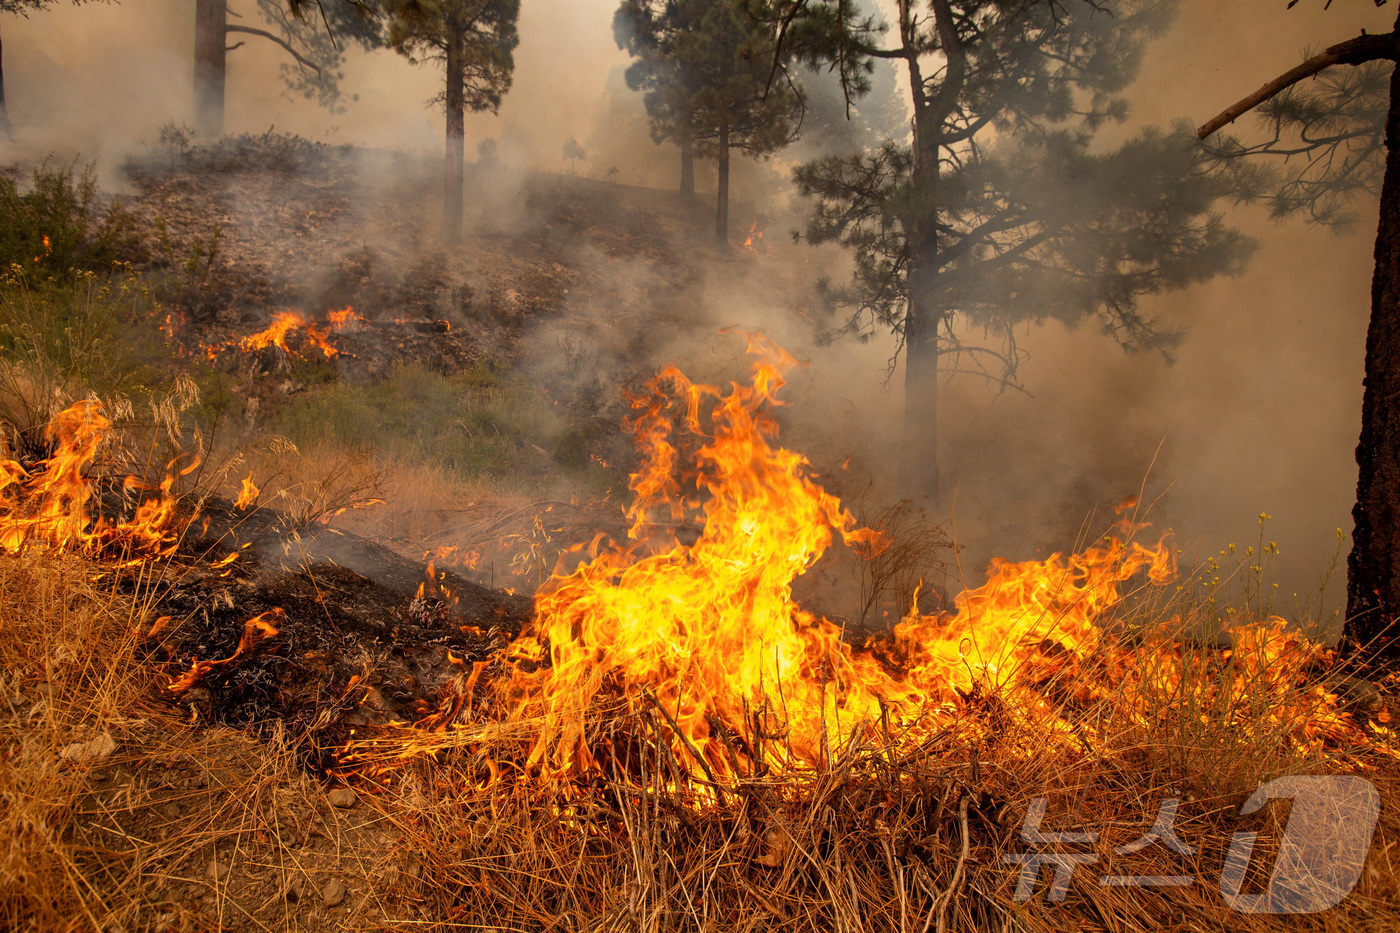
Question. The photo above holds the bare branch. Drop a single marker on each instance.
(1356, 51)
(306, 63)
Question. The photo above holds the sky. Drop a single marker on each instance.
(1260, 412)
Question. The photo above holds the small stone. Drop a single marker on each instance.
(293, 891)
(217, 871)
(333, 892)
(343, 798)
(99, 746)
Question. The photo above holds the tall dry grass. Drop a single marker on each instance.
(1195, 699)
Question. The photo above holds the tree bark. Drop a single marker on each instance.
(687, 165)
(210, 56)
(456, 139)
(1373, 567)
(722, 198)
(922, 319)
(918, 461)
(4, 113)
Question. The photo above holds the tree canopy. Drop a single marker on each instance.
(1005, 207)
(706, 68)
(474, 40)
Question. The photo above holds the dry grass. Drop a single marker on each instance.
(177, 827)
(192, 827)
(899, 835)
(876, 841)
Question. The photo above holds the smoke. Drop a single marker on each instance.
(1260, 412)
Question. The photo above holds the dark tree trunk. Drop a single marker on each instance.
(210, 55)
(456, 140)
(5, 114)
(687, 165)
(722, 198)
(1373, 567)
(918, 461)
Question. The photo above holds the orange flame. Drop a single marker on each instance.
(701, 631)
(284, 325)
(709, 632)
(248, 495)
(50, 506)
(258, 628)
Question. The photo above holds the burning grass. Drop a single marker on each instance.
(676, 744)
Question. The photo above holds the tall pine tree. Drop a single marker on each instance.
(474, 41)
(707, 68)
(313, 34)
(1002, 210)
(1332, 140)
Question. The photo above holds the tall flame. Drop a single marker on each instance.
(708, 632)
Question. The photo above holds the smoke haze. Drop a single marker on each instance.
(1260, 413)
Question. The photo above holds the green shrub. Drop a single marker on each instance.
(60, 224)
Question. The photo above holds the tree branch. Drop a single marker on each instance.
(1356, 51)
(280, 41)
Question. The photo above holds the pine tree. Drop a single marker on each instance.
(707, 67)
(475, 41)
(1002, 211)
(312, 33)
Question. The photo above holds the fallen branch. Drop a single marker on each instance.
(941, 906)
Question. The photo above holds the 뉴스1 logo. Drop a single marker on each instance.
(1320, 856)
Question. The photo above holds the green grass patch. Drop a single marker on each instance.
(476, 423)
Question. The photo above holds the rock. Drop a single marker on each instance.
(217, 871)
(343, 798)
(333, 892)
(97, 747)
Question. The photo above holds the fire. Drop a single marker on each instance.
(751, 241)
(259, 628)
(49, 506)
(706, 636)
(285, 325)
(709, 634)
(452, 556)
(248, 495)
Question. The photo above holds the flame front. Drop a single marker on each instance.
(708, 634)
(284, 325)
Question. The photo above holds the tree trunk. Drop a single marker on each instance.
(210, 55)
(918, 461)
(456, 140)
(1373, 567)
(687, 165)
(722, 198)
(5, 114)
